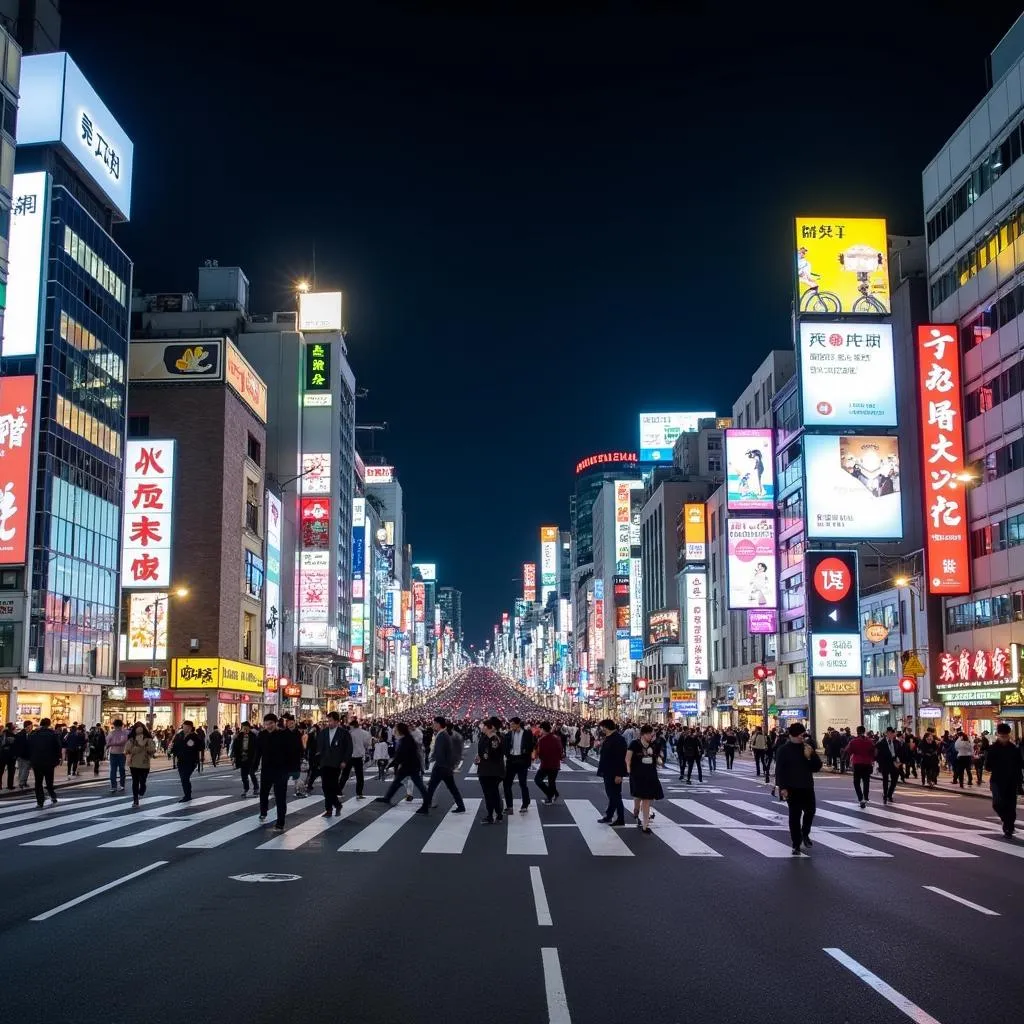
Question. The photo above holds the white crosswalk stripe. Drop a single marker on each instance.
(602, 840)
(526, 833)
(829, 839)
(737, 829)
(451, 834)
(300, 834)
(55, 819)
(897, 838)
(375, 835)
(168, 828)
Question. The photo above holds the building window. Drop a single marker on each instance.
(253, 575)
(252, 506)
(248, 636)
(96, 268)
(254, 450)
(138, 426)
(869, 664)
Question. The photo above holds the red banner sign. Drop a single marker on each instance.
(17, 397)
(966, 666)
(947, 550)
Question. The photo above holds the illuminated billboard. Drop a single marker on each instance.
(842, 265)
(697, 667)
(28, 235)
(604, 458)
(315, 587)
(853, 487)
(695, 536)
(315, 521)
(148, 514)
(750, 470)
(17, 404)
(316, 473)
(752, 563)
(947, 543)
(659, 431)
(623, 519)
(847, 375)
(272, 589)
(530, 581)
(663, 626)
(427, 571)
(147, 627)
(379, 474)
(548, 561)
(320, 311)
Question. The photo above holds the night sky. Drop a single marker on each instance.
(542, 224)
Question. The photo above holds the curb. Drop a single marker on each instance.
(62, 782)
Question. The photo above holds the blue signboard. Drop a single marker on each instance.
(636, 648)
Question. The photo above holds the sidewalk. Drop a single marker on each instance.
(85, 775)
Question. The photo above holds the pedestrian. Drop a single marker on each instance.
(729, 743)
(887, 756)
(861, 753)
(8, 761)
(490, 756)
(519, 744)
(139, 751)
(759, 745)
(335, 754)
(548, 754)
(963, 760)
(186, 749)
(611, 767)
(74, 744)
(929, 750)
(408, 764)
(277, 751)
(381, 755)
(116, 741)
(795, 765)
(1005, 766)
(642, 767)
(692, 752)
(215, 741)
(200, 738)
(361, 740)
(44, 756)
(442, 770)
(243, 756)
(710, 743)
(586, 741)
(97, 744)
(20, 751)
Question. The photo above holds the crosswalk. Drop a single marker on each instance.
(700, 824)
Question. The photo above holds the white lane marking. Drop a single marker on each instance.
(310, 829)
(955, 819)
(891, 835)
(554, 988)
(741, 832)
(603, 840)
(168, 828)
(58, 820)
(221, 836)
(473, 769)
(451, 834)
(540, 898)
(63, 806)
(584, 766)
(378, 832)
(886, 991)
(680, 840)
(13, 806)
(959, 899)
(526, 834)
(832, 842)
(101, 889)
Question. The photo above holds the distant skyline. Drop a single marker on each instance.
(543, 224)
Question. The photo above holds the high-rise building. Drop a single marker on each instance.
(35, 24)
(450, 600)
(63, 372)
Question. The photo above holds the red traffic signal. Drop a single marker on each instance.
(908, 684)
(760, 672)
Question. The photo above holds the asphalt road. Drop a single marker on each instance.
(387, 916)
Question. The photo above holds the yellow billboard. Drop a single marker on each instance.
(216, 674)
(842, 265)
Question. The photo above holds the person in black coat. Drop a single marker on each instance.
(519, 743)
(44, 756)
(407, 765)
(334, 750)
(278, 755)
(186, 749)
(796, 761)
(490, 756)
(887, 754)
(1005, 766)
(611, 767)
(243, 755)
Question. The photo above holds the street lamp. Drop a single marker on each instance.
(302, 286)
(161, 598)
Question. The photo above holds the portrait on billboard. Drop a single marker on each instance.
(752, 563)
(853, 487)
(750, 472)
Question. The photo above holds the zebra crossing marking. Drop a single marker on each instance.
(735, 828)
(451, 834)
(309, 829)
(168, 828)
(526, 834)
(889, 835)
(379, 831)
(602, 840)
(55, 819)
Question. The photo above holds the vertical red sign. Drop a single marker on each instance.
(17, 399)
(947, 547)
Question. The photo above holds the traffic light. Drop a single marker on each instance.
(908, 684)
(760, 672)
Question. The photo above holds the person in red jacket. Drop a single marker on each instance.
(549, 756)
(861, 752)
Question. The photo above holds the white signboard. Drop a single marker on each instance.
(25, 293)
(835, 654)
(378, 474)
(319, 311)
(660, 430)
(752, 563)
(316, 473)
(697, 666)
(148, 514)
(315, 587)
(847, 377)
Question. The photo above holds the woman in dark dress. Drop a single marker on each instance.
(642, 766)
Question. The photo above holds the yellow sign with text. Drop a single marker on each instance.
(837, 687)
(216, 674)
(842, 265)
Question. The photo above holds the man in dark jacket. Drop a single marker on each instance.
(243, 754)
(795, 765)
(278, 754)
(1005, 766)
(611, 767)
(74, 744)
(21, 757)
(690, 751)
(519, 744)
(887, 754)
(44, 756)
(407, 765)
(334, 746)
(443, 768)
(186, 749)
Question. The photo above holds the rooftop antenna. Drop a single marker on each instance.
(314, 266)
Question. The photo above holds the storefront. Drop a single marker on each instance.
(789, 715)
(973, 684)
(214, 691)
(65, 703)
(879, 712)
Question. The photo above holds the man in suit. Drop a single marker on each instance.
(335, 749)
(519, 743)
(44, 755)
(887, 754)
(612, 768)
(442, 770)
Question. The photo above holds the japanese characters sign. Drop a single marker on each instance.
(947, 551)
(967, 668)
(530, 581)
(316, 473)
(832, 603)
(695, 537)
(148, 514)
(315, 517)
(17, 398)
(697, 662)
(318, 367)
(841, 265)
(847, 376)
(26, 293)
(216, 674)
(246, 382)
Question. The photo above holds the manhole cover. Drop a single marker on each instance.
(265, 876)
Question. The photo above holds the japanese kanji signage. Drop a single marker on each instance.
(832, 603)
(148, 514)
(318, 367)
(17, 397)
(216, 674)
(697, 664)
(967, 668)
(315, 516)
(26, 291)
(530, 581)
(947, 551)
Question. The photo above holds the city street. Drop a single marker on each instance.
(381, 912)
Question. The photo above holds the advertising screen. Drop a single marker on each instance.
(659, 431)
(146, 611)
(750, 470)
(548, 561)
(148, 514)
(762, 621)
(663, 626)
(28, 232)
(315, 516)
(320, 311)
(272, 591)
(752, 563)
(853, 487)
(17, 402)
(530, 581)
(695, 536)
(316, 473)
(847, 375)
(314, 591)
(842, 266)
(832, 613)
(318, 367)
(947, 550)
(697, 667)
